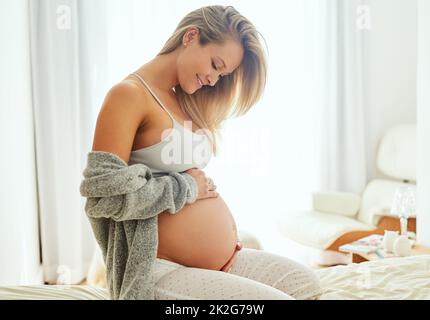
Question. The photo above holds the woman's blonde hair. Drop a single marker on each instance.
(234, 94)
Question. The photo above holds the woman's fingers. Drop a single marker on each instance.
(210, 191)
(210, 184)
(213, 194)
(230, 262)
(228, 265)
(205, 185)
(212, 188)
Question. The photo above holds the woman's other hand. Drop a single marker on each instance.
(230, 262)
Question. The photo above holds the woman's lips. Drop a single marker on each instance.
(199, 82)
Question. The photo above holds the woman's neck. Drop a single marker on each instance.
(161, 72)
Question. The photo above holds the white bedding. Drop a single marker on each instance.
(385, 279)
(53, 292)
(388, 279)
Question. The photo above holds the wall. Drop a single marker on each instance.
(423, 130)
(19, 237)
(389, 70)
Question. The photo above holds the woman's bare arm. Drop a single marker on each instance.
(122, 112)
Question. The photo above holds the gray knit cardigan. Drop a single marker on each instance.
(122, 205)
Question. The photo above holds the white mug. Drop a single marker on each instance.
(402, 246)
(388, 240)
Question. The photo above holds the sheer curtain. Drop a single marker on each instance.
(335, 67)
(270, 160)
(68, 60)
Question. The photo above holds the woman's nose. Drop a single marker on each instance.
(210, 81)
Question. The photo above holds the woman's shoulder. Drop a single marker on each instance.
(127, 95)
(128, 91)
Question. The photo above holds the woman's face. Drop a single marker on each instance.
(207, 63)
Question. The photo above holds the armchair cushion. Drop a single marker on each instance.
(317, 229)
(397, 153)
(342, 203)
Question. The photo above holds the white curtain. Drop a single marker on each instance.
(305, 134)
(19, 232)
(68, 62)
(336, 29)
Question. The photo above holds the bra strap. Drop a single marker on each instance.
(154, 95)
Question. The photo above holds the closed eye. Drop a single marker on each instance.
(214, 66)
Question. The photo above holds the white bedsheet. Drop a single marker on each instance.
(385, 279)
(53, 292)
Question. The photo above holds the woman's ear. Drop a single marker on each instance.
(190, 35)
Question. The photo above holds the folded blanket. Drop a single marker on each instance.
(122, 205)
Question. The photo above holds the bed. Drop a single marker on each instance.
(389, 279)
(53, 292)
(406, 278)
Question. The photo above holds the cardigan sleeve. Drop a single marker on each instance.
(132, 193)
(170, 192)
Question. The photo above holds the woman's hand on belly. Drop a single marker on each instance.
(206, 187)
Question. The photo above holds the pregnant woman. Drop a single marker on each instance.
(212, 65)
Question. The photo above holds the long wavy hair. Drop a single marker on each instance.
(234, 94)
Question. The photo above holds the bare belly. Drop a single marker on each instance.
(201, 235)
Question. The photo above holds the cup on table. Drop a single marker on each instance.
(402, 246)
(388, 240)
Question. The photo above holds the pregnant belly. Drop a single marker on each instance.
(202, 234)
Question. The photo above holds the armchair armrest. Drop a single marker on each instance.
(343, 203)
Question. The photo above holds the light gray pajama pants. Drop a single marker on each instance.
(255, 275)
